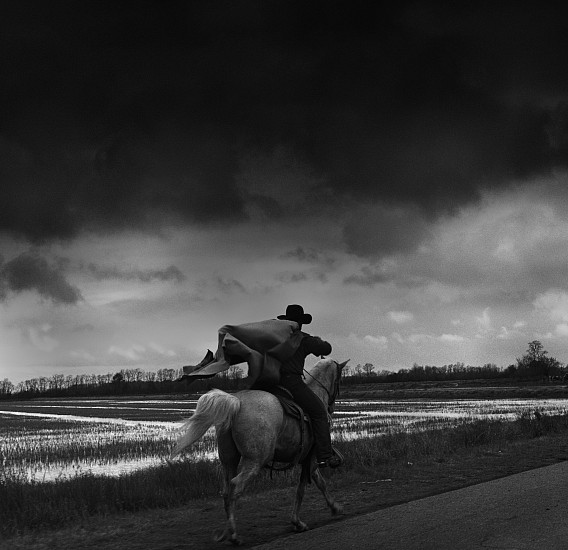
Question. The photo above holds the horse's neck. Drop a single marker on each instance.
(320, 385)
(319, 391)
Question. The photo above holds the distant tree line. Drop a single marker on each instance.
(124, 382)
(533, 365)
(421, 373)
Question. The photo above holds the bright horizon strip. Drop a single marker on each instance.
(110, 407)
(95, 419)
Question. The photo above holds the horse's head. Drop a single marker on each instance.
(340, 367)
(324, 379)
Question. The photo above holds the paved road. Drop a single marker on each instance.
(523, 511)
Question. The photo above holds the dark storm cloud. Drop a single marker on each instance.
(299, 277)
(310, 255)
(304, 255)
(171, 273)
(369, 277)
(116, 115)
(322, 263)
(230, 286)
(32, 272)
(150, 308)
(385, 231)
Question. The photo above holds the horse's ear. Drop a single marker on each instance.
(341, 365)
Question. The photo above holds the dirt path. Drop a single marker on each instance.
(522, 511)
(265, 517)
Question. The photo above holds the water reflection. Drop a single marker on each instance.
(360, 419)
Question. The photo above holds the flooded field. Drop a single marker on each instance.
(51, 440)
(359, 419)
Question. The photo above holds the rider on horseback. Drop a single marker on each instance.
(291, 373)
(275, 353)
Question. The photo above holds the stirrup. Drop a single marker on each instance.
(338, 454)
(332, 462)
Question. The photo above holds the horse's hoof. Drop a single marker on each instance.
(227, 535)
(300, 527)
(336, 510)
(222, 536)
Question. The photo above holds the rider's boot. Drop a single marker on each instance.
(209, 358)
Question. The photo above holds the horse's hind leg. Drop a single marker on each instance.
(249, 469)
(236, 488)
(322, 486)
(233, 484)
(229, 457)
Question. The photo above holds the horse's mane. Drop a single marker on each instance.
(322, 365)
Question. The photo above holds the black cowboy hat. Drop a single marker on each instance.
(294, 312)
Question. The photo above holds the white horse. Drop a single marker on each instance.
(253, 430)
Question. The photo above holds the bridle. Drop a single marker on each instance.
(334, 394)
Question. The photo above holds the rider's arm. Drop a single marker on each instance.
(316, 346)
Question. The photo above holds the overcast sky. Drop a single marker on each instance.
(169, 167)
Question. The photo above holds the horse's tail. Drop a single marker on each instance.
(215, 408)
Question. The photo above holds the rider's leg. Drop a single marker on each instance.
(314, 408)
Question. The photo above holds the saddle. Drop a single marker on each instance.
(293, 410)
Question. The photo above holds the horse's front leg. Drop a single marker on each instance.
(322, 486)
(299, 525)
